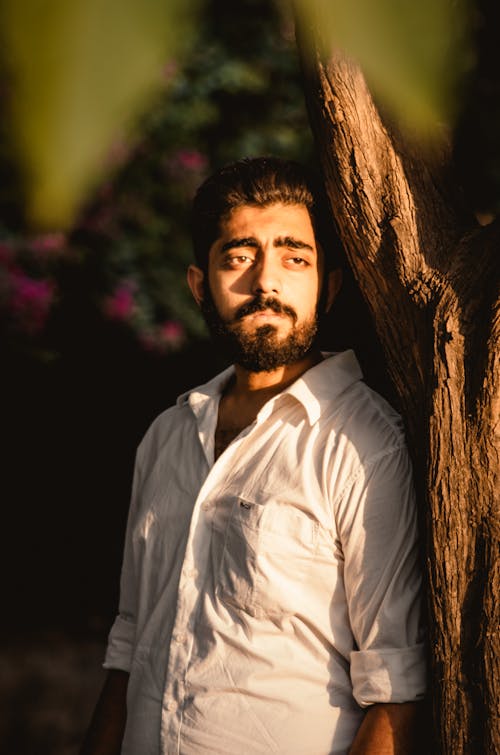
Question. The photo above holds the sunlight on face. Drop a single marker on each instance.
(264, 285)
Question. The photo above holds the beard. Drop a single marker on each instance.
(260, 350)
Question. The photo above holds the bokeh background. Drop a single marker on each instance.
(99, 334)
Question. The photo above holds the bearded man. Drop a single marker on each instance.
(270, 582)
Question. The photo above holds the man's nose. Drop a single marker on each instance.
(266, 278)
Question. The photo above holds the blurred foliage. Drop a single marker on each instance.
(238, 93)
(414, 54)
(78, 70)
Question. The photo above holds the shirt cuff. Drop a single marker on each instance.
(388, 676)
(120, 645)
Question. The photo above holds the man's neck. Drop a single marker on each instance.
(247, 393)
(258, 387)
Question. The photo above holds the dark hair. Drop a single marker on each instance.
(260, 181)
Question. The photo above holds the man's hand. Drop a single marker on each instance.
(389, 729)
(106, 729)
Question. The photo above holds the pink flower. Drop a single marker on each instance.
(30, 301)
(121, 304)
(191, 159)
(172, 333)
(167, 337)
(48, 243)
(187, 167)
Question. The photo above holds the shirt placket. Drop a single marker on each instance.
(191, 583)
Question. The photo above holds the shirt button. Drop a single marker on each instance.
(206, 506)
(180, 638)
(170, 705)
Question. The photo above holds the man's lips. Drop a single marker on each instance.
(266, 313)
(265, 308)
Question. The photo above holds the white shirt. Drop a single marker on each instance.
(267, 598)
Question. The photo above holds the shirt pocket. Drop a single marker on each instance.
(267, 557)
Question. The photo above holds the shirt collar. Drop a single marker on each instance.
(324, 382)
(314, 389)
(195, 397)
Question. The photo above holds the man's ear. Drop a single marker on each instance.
(195, 278)
(333, 284)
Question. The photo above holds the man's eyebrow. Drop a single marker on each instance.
(292, 243)
(237, 243)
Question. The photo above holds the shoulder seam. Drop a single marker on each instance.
(362, 468)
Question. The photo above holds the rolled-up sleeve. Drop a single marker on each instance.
(395, 676)
(120, 645)
(378, 530)
(121, 640)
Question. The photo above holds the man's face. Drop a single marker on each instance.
(263, 287)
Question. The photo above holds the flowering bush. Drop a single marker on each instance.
(120, 305)
(27, 290)
(29, 300)
(238, 94)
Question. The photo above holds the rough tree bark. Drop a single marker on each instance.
(429, 274)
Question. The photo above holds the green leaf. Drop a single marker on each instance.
(80, 73)
(413, 53)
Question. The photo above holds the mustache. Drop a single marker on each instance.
(260, 304)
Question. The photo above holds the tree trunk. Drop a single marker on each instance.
(429, 275)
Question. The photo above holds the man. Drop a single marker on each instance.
(270, 589)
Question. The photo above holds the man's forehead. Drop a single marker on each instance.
(279, 217)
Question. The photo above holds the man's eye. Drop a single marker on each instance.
(297, 262)
(238, 260)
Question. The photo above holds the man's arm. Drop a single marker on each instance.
(106, 729)
(390, 729)
(378, 529)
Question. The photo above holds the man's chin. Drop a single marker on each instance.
(278, 332)
(264, 349)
